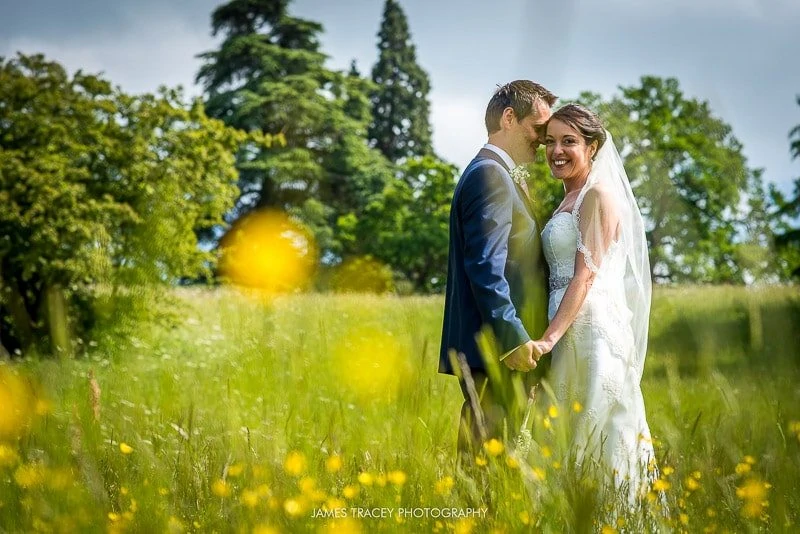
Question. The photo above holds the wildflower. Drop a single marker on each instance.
(538, 473)
(8, 456)
(444, 485)
(333, 463)
(235, 470)
(350, 491)
(661, 485)
(691, 483)
(29, 476)
(113, 517)
(307, 485)
(512, 462)
(697, 475)
(742, 468)
(754, 494)
(163, 492)
(546, 452)
(577, 407)
(265, 529)
(333, 503)
(380, 480)
(546, 423)
(608, 529)
(684, 519)
(398, 478)
(749, 460)
(295, 463)
(366, 478)
(174, 525)
(293, 507)
(556, 465)
(668, 470)
(464, 526)
(220, 488)
(480, 460)
(124, 448)
(552, 411)
(249, 498)
(525, 517)
(493, 447)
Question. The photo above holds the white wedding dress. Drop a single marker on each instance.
(598, 362)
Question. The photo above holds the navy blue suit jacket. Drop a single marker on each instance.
(496, 272)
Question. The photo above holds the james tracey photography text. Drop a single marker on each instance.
(406, 513)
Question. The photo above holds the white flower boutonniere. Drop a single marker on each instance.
(520, 175)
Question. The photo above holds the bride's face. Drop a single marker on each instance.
(568, 154)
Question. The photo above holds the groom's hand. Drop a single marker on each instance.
(523, 359)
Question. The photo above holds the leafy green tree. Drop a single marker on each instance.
(689, 175)
(98, 189)
(407, 225)
(401, 113)
(785, 216)
(269, 75)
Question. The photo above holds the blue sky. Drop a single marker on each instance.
(739, 55)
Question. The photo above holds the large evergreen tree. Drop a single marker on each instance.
(401, 123)
(269, 75)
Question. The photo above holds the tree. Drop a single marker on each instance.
(268, 75)
(690, 178)
(98, 188)
(407, 225)
(785, 216)
(401, 123)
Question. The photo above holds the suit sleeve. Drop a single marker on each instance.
(486, 207)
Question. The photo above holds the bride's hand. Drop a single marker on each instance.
(541, 347)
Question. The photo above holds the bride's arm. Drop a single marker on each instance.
(597, 229)
(570, 305)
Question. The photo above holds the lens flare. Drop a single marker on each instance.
(370, 364)
(17, 404)
(268, 251)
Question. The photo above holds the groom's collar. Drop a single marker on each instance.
(506, 159)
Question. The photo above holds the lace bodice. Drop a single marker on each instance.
(560, 242)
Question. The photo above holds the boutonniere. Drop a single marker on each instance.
(520, 175)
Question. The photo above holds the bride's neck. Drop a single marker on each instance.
(575, 184)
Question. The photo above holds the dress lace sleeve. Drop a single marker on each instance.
(598, 223)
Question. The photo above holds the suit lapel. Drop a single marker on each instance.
(489, 154)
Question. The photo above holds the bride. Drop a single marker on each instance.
(600, 293)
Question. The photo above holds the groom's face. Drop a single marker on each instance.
(529, 133)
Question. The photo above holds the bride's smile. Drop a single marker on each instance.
(568, 154)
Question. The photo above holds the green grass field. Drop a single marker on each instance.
(255, 417)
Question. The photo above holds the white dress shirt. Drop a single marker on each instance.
(502, 153)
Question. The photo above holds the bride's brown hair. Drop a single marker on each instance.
(585, 121)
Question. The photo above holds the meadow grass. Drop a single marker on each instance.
(253, 416)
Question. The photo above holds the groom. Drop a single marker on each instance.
(496, 274)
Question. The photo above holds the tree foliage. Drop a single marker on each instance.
(269, 75)
(401, 113)
(98, 188)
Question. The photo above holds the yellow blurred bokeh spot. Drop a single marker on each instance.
(17, 404)
(363, 274)
(370, 364)
(267, 250)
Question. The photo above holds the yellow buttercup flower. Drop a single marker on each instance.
(124, 448)
(577, 407)
(249, 498)
(691, 483)
(350, 491)
(235, 470)
(220, 488)
(444, 485)
(480, 460)
(333, 463)
(742, 468)
(552, 411)
(365, 478)
(398, 478)
(661, 485)
(295, 463)
(493, 447)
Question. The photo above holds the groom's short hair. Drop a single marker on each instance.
(522, 96)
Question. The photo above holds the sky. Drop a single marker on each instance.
(735, 54)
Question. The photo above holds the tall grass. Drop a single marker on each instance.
(251, 416)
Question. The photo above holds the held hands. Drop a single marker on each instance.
(523, 359)
(541, 347)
